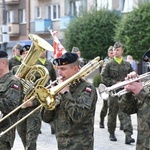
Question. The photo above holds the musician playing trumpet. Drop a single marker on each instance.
(138, 101)
(74, 116)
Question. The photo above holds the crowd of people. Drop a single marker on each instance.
(72, 120)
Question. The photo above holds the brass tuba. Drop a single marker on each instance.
(28, 71)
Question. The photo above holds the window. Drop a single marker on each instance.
(54, 12)
(22, 16)
(128, 6)
(10, 17)
(104, 4)
(122, 4)
(75, 8)
(37, 12)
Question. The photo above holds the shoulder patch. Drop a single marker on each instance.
(89, 90)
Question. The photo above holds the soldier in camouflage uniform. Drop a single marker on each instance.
(28, 129)
(77, 51)
(74, 116)
(43, 61)
(105, 105)
(114, 72)
(138, 103)
(16, 59)
(10, 97)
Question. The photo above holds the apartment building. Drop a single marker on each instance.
(35, 16)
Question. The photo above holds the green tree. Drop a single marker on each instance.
(133, 31)
(93, 33)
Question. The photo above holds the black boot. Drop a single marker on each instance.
(101, 125)
(112, 137)
(52, 131)
(129, 139)
(121, 126)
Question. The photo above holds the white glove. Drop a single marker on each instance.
(1, 115)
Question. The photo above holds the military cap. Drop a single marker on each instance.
(118, 45)
(24, 48)
(110, 48)
(75, 49)
(146, 56)
(17, 46)
(3, 54)
(66, 58)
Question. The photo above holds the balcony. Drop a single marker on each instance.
(40, 26)
(64, 21)
(13, 29)
(9, 2)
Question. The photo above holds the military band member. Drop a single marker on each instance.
(10, 97)
(74, 116)
(114, 72)
(28, 129)
(16, 59)
(104, 109)
(43, 61)
(138, 101)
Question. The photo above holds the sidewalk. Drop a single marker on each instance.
(46, 141)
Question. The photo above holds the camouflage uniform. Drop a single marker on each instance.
(14, 62)
(52, 75)
(139, 104)
(10, 97)
(50, 69)
(74, 117)
(111, 74)
(104, 109)
(29, 129)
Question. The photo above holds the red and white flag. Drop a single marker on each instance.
(58, 47)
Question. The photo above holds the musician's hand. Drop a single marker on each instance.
(27, 104)
(65, 89)
(134, 87)
(17, 76)
(131, 75)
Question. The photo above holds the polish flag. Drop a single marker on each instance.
(58, 47)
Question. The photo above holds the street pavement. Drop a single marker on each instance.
(47, 141)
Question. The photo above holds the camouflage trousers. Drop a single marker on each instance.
(4, 145)
(124, 118)
(28, 131)
(103, 112)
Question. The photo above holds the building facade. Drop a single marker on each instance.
(36, 16)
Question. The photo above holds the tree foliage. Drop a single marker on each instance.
(93, 33)
(134, 31)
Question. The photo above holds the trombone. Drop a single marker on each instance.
(46, 95)
(112, 90)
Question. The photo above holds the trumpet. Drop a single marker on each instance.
(46, 95)
(105, 92)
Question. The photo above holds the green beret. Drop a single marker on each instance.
(3, 54)
(66, 58)
(24, 48)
